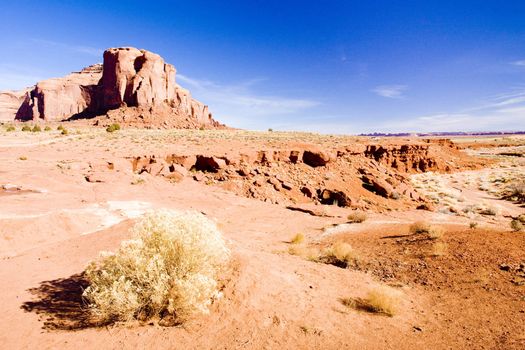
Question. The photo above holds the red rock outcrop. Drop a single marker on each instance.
(137, 84)
(61, 98)
(136, 78)
(10, 102)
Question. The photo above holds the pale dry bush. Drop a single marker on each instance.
(169, 269)
(439, 249)
(297, 239)
(357, 216)
(340, 254)
(382, 300)
(308, 253)
(516, 225)
(422, 227)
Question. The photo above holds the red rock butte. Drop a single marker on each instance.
(132, 86)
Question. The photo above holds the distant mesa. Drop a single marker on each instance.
(132, 86)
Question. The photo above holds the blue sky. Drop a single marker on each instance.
(325, 66)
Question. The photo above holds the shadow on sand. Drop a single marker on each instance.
(60, 304)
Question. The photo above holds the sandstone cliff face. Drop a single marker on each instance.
(61, 98)
(10, 102)
(136, 78)
(128, 78)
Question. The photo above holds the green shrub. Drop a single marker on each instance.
(169, 270)
(60, 127)
(113, 127)
(47, 128)
(26, 128)
(64, 131)
(36, 128)
(10, 128)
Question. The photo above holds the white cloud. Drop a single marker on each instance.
(390, 91)
(238, 105)
(88, 50)
(503, 112)
(519, 63)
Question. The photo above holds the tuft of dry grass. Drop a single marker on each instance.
(422, 227)
(516, 225)
(381, 300)
(340, 254)
(169, 270)
(357, 216)
(297, 239)
(308, 253)
(439, 249)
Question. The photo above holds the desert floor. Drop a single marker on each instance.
(465, 290)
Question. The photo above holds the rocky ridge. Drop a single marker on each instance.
(351, 176)
(132, 86)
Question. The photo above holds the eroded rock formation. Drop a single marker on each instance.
(10, 102)
(131, 86)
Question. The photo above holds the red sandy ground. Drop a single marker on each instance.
(461, 300)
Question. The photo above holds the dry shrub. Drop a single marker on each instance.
(297, 239)
(422, 227)
(435, 232)
(439, 249)
(382, 300)
(357, 216)
(340, 254)
(515, 192)
(308, 253)
(516, 225)
(169, 270)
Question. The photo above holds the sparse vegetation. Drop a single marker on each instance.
(308, 253)
(489, 211)
(357, 216)
(439, 248)
(473, 225)
(113, 127)
(22, 158)
(340, 254)
(297, 239)
(516, 225)
(138, 181)
(26, 128)
(382, 300)
(422, 227)
(515, 192)
(64, 131)
(36, 128)
(10, 128)
(47, 128)
(60, 128)
(168, 271)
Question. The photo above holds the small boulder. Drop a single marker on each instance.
(316, 158)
